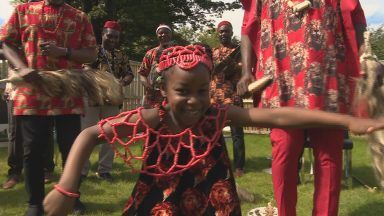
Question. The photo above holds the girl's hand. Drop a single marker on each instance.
(56, 204)
(360, 126)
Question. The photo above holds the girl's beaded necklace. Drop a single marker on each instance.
(198, 140)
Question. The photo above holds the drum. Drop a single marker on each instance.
(99, 86)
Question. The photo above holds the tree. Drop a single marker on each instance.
(140, 18)
(377, 38)
(208, 36)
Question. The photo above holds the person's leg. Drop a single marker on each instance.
(328, 145)
(48, 154)
(106, 153)
(67, 129)
(34, 130)
(286, 148)
(15, 150)
(91, 117)
(238, 148)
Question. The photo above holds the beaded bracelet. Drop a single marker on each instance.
(66, 193)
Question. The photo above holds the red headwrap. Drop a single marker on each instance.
(224, 23)
(112, 25)
(186, 57)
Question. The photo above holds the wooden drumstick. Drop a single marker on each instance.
(13, 79)
(260, 84)
(300, 6)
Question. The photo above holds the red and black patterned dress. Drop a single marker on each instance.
(205, 187)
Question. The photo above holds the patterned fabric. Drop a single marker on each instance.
(223, 83)
(208, 188)
(115, 62)
(353, 15)
(305, 54)
(34, 23)
(148, 69)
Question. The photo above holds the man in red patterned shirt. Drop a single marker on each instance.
(53, 35)
(148, 66)
(225, 76)
(312, 55)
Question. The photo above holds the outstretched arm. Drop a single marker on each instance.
(55, 203)
(287, 117)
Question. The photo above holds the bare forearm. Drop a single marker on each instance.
(248, 56)
(304, 118)
(80, 152)
(286, 117)
(11, 54)
(86, 55)
(144, 81)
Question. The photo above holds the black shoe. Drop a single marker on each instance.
(79, 208)
(105, 176)
(34, 210)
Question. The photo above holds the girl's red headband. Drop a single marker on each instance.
(186, 57)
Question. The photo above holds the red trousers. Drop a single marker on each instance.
(327, 149)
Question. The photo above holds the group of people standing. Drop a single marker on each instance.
(311, 54)
(52, 35)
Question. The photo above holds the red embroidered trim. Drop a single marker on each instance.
(197, 141)
(186, 57)
(66, 193)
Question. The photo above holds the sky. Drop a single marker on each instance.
(374, 12)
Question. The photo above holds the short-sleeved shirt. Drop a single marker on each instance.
(147, 69)
(34, 23)
(223, 83)
(306, 55)
(115, 62)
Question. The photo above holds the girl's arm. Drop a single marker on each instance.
(287, 117)
(56, 203)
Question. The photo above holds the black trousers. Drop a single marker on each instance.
(15, 147)
(35, 132)
(238, 147)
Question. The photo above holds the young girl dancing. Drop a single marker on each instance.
(186, 170)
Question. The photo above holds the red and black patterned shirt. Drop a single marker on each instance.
(33, 23)
(305, 53)
(223, 83)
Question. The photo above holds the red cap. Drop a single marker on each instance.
(224, 23)
(112, 25)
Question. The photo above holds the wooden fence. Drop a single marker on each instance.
(134, 92)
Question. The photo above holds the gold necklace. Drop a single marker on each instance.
(58, 21)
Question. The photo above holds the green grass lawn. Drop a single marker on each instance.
(102, 198)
